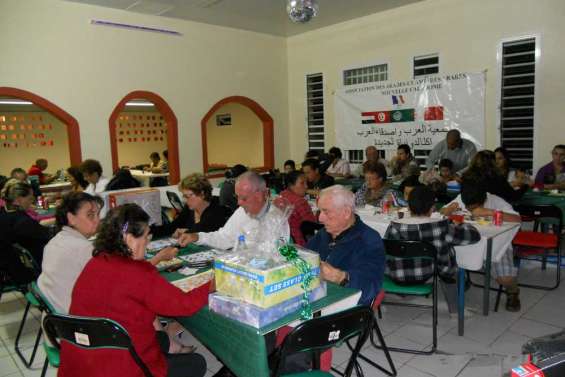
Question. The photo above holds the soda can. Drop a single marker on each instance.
(386, 207)
(40, 201)
(45, 203)
(497, 218)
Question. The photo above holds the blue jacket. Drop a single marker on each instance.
(360, 251)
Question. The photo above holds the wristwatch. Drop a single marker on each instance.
(345, 281)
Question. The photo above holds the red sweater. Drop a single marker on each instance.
(133, 294)
(302, 212)
(35, 170)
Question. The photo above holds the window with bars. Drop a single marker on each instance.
(355, 156)
(421, 155)
(363, 75)
(426, 65)
(517, 101)
(315, 108)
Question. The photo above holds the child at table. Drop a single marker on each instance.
(439, 232)
(476, 200)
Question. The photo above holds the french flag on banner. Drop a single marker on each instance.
(397, 99)
(433, 113)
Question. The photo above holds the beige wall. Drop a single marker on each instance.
(240, 143)
(132, 132)
(50, 48)
(466, 34)
(25, 125)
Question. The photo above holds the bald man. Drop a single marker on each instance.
(371, 155)
(254, 207)
(460, 151)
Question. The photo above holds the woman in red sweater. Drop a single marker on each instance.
(295, 194)
(118, 283)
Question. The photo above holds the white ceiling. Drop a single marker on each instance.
(264, 16)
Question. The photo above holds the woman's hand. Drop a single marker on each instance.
(446, 211)
(167, 253)
(179, 232)
(187, 238)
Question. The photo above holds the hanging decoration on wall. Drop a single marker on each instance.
(25, 127)
(302, 11)
(140, 125)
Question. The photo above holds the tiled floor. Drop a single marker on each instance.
(490, 347)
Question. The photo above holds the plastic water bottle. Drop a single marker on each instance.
(240, 243)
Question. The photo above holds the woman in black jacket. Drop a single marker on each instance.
(16, 226)
(201, 213)
(483, 170)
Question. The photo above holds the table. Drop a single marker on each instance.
(55, 187)
(493, 244)
(144, 177)
(241, 347)
(542, 197)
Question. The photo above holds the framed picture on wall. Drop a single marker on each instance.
(223, 120)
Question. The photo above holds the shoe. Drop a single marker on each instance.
(224, 372)
(513, 301)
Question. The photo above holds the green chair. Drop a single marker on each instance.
(87, 333)
(30, 264)
(322, 333)
(413, 250)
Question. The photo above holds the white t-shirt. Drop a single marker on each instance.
(341, 167)
(99, 187)
(492, 202)
(64, 258)
(240, 223)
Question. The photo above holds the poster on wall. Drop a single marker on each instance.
(416, 112)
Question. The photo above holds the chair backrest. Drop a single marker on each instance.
(536, 212)
(174, 200)
(410, 249)
(27, 269)
(91, 333)
(325, 332)
(44, 304)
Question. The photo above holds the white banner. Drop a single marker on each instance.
(415, 112)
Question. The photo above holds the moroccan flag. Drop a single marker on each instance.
(433, 113)
(405, 115)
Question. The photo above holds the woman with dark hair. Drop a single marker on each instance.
(122, 180)
(16, 225)
(516, 177)
(295, 194)
(403, 165)
(117, 283)
(92, 172)
(338, 167)
(375, 188)
(201, 213)
(75, 177)
(67, 253)
(483, 171)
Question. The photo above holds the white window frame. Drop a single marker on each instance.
(362, 65)
(306, 107)
(537, 90)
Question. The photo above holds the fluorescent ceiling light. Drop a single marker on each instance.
(14, 102)
(138, 103)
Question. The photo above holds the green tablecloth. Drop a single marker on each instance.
(540, 198)
(238, 346)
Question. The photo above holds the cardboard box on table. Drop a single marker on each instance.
(254, 315)
(147, 198)
(263, 284)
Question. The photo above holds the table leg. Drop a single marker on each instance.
(486, 286)
(460, 301)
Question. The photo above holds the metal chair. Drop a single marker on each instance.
(411, 250)
(322, 333)
(533, 244)
(28, 262)
(87, 333)
(175, 201)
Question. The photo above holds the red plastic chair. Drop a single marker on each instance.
(529, 244)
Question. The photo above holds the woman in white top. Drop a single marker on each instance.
(515, 177)
(338, 167)
(92, 172)
(67, 253)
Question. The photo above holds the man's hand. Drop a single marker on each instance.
(330, 273)
(482, 212)
(179, 232)
(167, 253)
(453, 207)
(187, 238)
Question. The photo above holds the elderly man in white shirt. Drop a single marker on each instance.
(253, 213)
